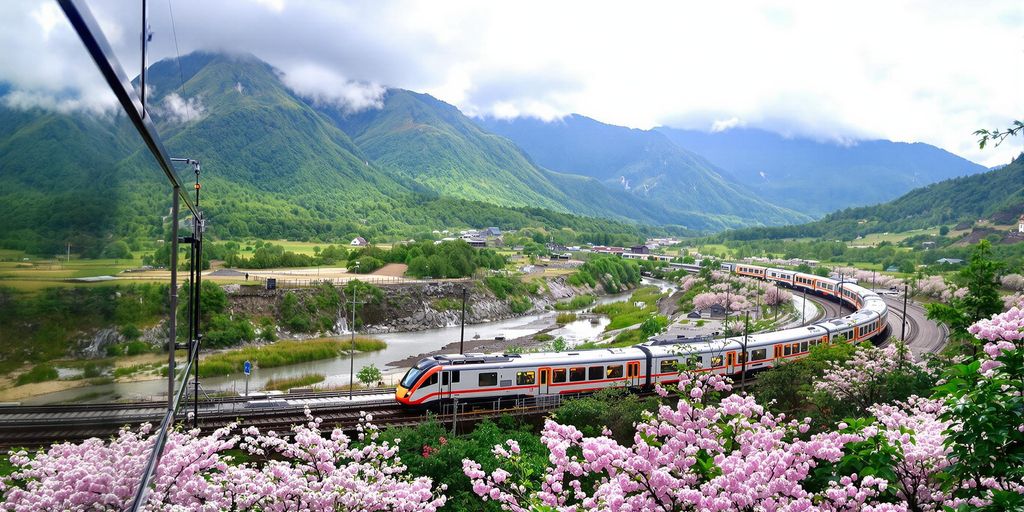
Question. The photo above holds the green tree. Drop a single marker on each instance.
(369, 375)
(981, 278)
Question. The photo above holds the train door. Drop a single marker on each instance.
(633, 373)
(730, 362)
(446, 385)
(544, 381)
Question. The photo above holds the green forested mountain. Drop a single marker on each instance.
(277, 165)
(995, 194)
(419, 139)
(274, 167)
(645, 164)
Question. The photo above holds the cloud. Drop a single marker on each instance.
(178, 110)
(722, 125)
(903, 70)
(325, 86)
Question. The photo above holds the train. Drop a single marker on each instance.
(488, 377)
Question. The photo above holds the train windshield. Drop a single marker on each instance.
(410, 377)
(414, 373)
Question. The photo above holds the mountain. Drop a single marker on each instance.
(420, 139)
(996, 195)
(274, 166)
(820, 177)
(644, 163)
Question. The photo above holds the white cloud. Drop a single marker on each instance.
(325, 86)
(722, 125)
(904, 70)
(178, 110)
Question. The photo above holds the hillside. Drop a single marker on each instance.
(997, 195)
(274, 167)
(419, 139)
(643, 163)
(821, 177)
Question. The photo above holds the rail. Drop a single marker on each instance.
(161, 439)
(134, 106)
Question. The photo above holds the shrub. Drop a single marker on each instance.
(520, 304)
(564, 318)
(577, 302)
(38, 373)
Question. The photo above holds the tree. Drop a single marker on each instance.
(981, 278)
(997, 135)
(369, 375)
(308, 470)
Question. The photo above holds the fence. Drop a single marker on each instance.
(367, 278)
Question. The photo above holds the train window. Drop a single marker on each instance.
(543, 377)
(431, 380)
(596, 373)
(455, 376)
(759, 354)
(787, 350)
(694, 362)
(558, 375)
(489, 379)
(444, 378)
(525, 378)
(614, 371)
(577, 374)
(668, 366)
(716, 361)
(803, 346)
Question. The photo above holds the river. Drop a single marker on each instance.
(400, 346)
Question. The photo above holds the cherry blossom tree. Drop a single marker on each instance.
(703, 454)
(302, 471)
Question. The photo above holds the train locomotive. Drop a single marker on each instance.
(489, 377)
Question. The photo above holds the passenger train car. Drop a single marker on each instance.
(488, 377)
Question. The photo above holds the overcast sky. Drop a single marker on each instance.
(908, 71)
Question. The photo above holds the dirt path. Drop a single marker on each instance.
(392, 270)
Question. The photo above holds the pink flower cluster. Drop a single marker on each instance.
(867, 279)
(739, 293)
(734, 455)
(1013, 282)
(1003, 332)
(303, 471)
(858, 380)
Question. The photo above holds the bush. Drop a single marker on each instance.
(577, 302)
(369, 375)
(282, 353)
(564, 318)
(293, 382)
(225, 331)
(38, 373)
(520, 304)
(503, 286)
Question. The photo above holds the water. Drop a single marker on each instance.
(400, 346)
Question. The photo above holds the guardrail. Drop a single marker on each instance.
(366, 278)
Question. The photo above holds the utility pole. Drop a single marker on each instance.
(803, 309)
(172, 322)
(352, 352)
(746, 332)
(727, 297)
(462, 337)
(903, 333)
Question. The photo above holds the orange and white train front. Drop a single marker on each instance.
(415, 384)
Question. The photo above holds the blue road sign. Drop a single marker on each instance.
(247, 367)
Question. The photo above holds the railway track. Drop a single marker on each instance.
(35, 426)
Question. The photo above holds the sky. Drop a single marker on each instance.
(928, 71)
